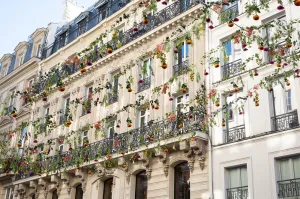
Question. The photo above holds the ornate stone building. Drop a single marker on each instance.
(99, 129)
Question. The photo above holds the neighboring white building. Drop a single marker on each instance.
(256, 154)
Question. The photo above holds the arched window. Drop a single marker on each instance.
(141, 185)
(107, 193)
(79, 192)
(54, 194)
(182, 181)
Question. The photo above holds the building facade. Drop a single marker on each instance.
(113, 108)
(255, 149)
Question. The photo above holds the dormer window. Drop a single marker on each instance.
(82, 25)
(62, 39)
(4, 70)
(39, 50)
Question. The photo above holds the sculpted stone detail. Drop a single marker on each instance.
(54, 102)
(103, 172)
(197, 149)
(75, 91)
(163, 158)
(36, 111)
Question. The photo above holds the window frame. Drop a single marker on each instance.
(138, 185)
(288, 100)
(183, 53)
(177, 181)
(105, 186)
(9, 193)
(185, 100)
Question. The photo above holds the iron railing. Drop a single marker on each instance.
(97, 53)
(238, 193)
(9, 109)
(145, 84)
(289, 188)
(181, 68)
(128, 141)
(234, 134)
(229, 13)
(285, 121)
(232, 68)
(113, 97)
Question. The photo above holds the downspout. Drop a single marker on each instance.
(210, 145)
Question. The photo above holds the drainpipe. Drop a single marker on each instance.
(210, 145)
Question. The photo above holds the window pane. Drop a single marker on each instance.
(296, 165)
(285, 170)
(182, 181)
(107, 193)
(244, 177)
(141, 185)
(186, 50)
(234, 178)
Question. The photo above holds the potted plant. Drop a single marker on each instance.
(145, 20)
(129, 122)
(109, 49)
(251, 8)
(155, 104)
(82, 68)
(216, 62)
(184, 88)
(14, 112)
(129, 82)
(188, 39)
(60, 85)
(135, 28)
(44, 96)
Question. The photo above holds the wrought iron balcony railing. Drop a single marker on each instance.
(128, 141)
(289, 188)
(234, 134)
(155, 20)
(113, 97)
(238, 193)
(285, 121)
(181, 68)
(145, 84)
(9, 109)
(229, 13)
(232, 68)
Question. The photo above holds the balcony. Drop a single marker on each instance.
(112, 98)
(145, 84)
(289, 188)
(62, 118)
(238, 193)
(235, 134)
(232, 69)
(181, 68)
(229, 13)
(285, 121)
(133, 140)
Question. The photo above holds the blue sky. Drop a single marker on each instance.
(20, 18)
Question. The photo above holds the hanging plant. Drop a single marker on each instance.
(129, 122)
(135, 27)
(129, 82)
(154, 104)
(14, 112)
(188, 38)
(60, 85)
(145, 19)
(109, 49)
(184, 88)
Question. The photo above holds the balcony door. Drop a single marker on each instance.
(237, 187)
(79, 192)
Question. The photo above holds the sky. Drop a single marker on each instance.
(20, 18)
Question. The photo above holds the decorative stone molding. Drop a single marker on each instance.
(75, 91)
(104, 173)
(163, 158)
(54, 102)
(197, 147)
(66, 181)
(36, 111)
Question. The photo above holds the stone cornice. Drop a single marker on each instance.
(19, 72)
(21, 45)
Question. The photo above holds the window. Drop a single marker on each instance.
(9, 193)
(62, 39)
(288, 170)
(22, 140)
(143, 118)
(54, 194)
(88, 101)
(82, 26)
(146, 69)
(12, 98)
(183, 53)
(181, 103)
(102, 12)
(4, 70)
(231, 52)
(113, 91)
(64, 117)
(108, 185)
(237, 186)
(141, 185)
(84, 138)
(30, 83)
(60, 146)
(79, 192)
(288, 96)
(182, 181)
(111, 129)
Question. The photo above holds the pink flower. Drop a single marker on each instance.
(250, 94)
(172, 117)
(212, 93)
(256, 87)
